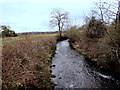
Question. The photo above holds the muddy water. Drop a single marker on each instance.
(72, 70)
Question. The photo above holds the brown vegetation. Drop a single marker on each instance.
(99, 38)
(26, 63)
(99, 50)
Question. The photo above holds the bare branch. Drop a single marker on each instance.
(58, 19)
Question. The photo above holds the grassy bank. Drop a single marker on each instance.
(99, 51)
(23, 37)
(26, 62)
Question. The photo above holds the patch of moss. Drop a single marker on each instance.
(53, 76)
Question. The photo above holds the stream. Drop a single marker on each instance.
(73, 71)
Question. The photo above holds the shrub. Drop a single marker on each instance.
(72, 33)
(95, 28)
(114, 31)
(6, 32)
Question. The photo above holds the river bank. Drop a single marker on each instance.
(100, 51)
(103, 67)
(71, 70)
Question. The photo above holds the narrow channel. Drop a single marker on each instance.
(72, 70)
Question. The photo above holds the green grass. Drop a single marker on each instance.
(24, 37)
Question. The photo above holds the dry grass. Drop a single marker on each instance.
(26, 63)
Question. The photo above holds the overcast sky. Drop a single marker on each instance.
(34, 15)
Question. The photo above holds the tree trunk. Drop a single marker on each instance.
(60, 31)
(118, 18)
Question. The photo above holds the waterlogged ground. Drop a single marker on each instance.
(72, 71)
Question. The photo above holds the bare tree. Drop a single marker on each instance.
(108, 12)
(105, 10)
(4, 27)
(59, 18)
(118, 17)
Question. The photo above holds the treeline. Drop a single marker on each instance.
(28, 33)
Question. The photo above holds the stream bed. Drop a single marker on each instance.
(73, 71)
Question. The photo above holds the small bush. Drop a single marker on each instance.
(6, 32)
(96, 28)
(72, 33)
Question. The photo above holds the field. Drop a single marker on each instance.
(26, 61)
(23, 37)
